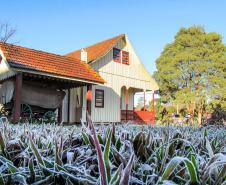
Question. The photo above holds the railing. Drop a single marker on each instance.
(138, 116)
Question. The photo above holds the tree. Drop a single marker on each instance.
(140, 103)
(191, 71)
(6, 32)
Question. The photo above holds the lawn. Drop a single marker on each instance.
(121, 154)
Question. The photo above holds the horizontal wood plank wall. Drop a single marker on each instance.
(132, 75)
(110, 112)
(116, 76)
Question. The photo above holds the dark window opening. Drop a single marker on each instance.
(117, 55)
(99, 98)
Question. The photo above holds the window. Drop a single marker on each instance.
(125, 57)
(99, 98)
(116, 55)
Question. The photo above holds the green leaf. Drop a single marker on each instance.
(36, 152)
(101, 141)
(113, 134)
(208, 147)
(2, 180)
(175, 162)
(193, 160)
(115, 179)
(57, 155)
(12, 168)
(85, 138)
(2, 141)
(106, 156)
(118, 144)
(31, 170)
(126, 172)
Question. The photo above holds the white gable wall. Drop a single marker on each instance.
(116, 76)
(133, 76)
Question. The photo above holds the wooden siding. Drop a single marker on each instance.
(111, 110)
(133, 76)
(77, 112)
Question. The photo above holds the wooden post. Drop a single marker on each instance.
(126, 98)
(153, 105)
(89, 99)
(68, 108)
(60, 114)
(17, 98)
(144, 101)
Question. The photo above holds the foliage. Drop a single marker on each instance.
(140, 103)
(121, 154)
(192, 70)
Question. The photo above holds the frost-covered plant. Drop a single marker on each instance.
(113, 154)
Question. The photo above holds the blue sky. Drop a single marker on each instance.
(63, 26)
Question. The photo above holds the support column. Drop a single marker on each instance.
(89, 99)
(69, 105)
(153, 105)
(126, 98)
(144, 100)
(17, 98)
(60, 114)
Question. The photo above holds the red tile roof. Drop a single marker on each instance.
(97, 50)
(62, 66)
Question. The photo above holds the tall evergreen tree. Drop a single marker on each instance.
(192, 71)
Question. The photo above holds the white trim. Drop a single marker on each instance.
(5, 69)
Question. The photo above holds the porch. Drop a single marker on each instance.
(128, 111)
(138, 117)
(37, 97)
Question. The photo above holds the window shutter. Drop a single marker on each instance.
(116, 55)
(125, 57)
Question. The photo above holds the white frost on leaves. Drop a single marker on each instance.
(70, 157)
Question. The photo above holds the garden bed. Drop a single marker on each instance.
(51, 154)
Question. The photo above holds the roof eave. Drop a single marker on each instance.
(36, 72)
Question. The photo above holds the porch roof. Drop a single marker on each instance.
(34, 61)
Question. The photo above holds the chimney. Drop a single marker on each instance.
(84, 56)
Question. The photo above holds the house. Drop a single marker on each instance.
(100, 80)
(118, 64)
(34, 82)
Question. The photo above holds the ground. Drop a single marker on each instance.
(156, 155)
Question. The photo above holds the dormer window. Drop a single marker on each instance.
(117, 55)
(125, 57)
